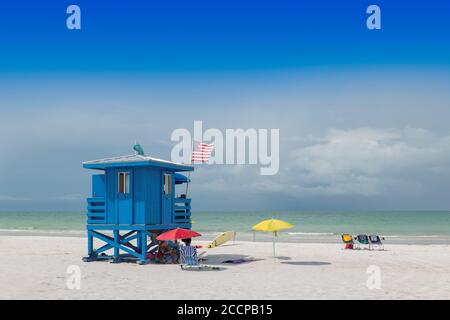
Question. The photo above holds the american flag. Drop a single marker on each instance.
(203, 153)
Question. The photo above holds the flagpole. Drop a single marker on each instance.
(189, 173)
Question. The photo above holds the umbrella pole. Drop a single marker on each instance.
(274, 245)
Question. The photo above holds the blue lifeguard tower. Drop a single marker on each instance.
(132, 201)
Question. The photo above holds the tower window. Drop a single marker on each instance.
(167, 183)
(124, 182)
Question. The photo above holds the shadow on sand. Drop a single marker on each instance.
(219, 259)
(307, 263)
(283, 258)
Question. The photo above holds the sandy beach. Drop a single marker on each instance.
(36, 267)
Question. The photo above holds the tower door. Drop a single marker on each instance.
(167, 197)
(125, 197)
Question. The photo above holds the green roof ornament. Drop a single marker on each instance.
(139, 151)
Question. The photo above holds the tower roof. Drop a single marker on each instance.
(133, 161)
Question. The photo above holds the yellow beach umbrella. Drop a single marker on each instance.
(272, 225)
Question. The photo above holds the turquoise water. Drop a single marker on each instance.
(400, 223)
(391, 223)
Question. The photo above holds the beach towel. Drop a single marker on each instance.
(237, 261)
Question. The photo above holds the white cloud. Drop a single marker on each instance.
(368, 161)
(342, 162)
(48, 127)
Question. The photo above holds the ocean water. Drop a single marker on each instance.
(431, 226)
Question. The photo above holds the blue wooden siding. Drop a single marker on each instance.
(146, 203)
(111, 196)
(98, 185)
(147, 196)
(153, 210)
(140, 191)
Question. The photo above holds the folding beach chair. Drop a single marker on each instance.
(189, 260)
(348, 241)
(363, 240)
(375, 242)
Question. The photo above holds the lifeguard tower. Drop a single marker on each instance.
(133, 199)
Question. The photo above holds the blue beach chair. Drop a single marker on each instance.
(189, 260)
(375, 242)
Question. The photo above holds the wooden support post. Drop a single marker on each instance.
(90, 244)
(143, 247)
(139, 241)
(116, 245)
(132, 245)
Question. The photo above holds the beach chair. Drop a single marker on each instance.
(348, 241)
(189, 260)
(375, 242)
(363, 241)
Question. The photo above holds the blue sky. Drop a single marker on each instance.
(361, 113)
(149, 36)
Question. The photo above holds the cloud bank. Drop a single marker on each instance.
(341, 145)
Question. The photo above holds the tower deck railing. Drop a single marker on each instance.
(96, 210)
(182, 210)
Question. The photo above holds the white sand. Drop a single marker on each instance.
(33, 267)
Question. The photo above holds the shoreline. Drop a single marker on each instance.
(259, 237)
